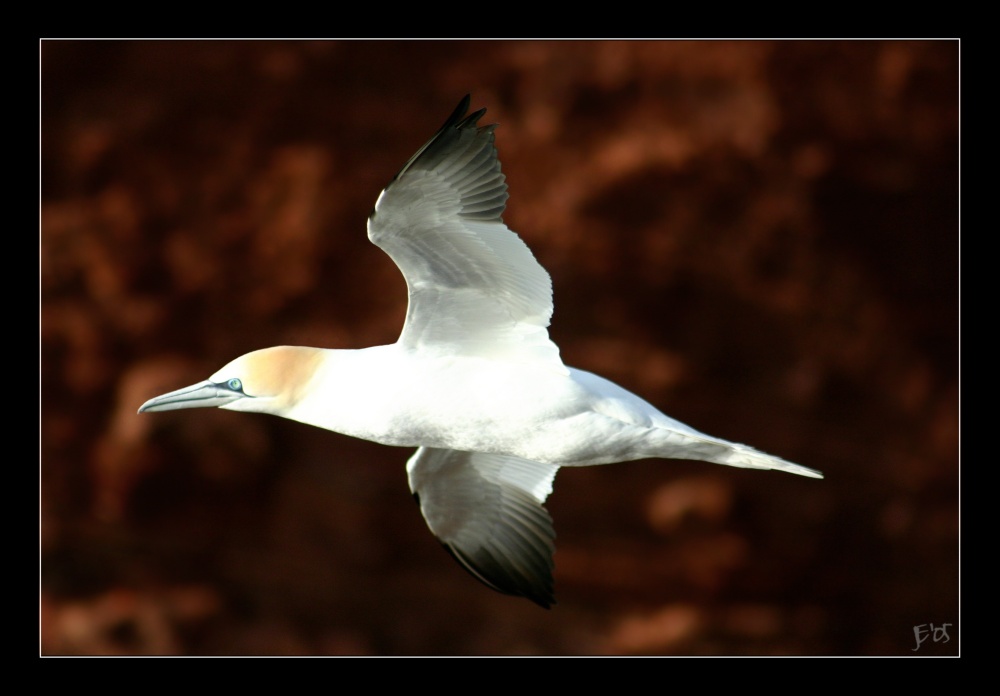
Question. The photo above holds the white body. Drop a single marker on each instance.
(393, 396)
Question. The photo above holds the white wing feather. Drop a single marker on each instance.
(486, 509)
(474, 286)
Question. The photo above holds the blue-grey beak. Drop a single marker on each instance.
(200, 395)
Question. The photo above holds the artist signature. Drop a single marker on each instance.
(937, 633)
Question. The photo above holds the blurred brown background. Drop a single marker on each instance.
(759, 238)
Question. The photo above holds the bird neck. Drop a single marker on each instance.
(352, 392)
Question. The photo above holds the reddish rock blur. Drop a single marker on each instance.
(760, 238)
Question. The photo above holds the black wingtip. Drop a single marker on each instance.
(497, 577)
(459, 113)
(459, 120)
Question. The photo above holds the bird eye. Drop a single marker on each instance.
(235, 384)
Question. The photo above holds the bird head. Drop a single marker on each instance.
(264, 381)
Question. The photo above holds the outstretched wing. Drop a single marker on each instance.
(487, 511)
(474, 286)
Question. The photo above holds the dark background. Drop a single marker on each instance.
(759, 238)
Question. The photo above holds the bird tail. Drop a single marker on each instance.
(678, 441)
(749, 458)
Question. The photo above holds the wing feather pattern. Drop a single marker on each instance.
(474, 287)
(486, 509)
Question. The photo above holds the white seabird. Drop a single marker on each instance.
(474, 382)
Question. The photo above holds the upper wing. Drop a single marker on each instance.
(474, 287)
(487, 511)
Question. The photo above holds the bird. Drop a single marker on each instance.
(474, 381)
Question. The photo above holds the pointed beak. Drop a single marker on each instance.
(200, 395)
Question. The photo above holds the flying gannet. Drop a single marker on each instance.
(474, 382)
